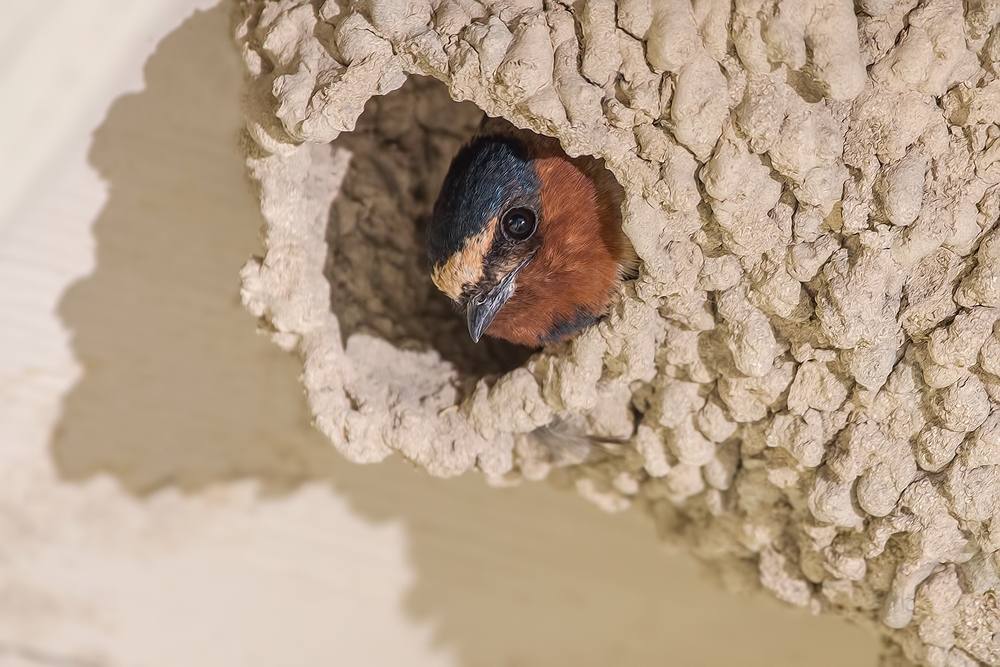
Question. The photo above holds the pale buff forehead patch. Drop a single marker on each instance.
(465, 267)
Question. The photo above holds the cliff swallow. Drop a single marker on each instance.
(527, 240)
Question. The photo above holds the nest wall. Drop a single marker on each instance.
(806, 371)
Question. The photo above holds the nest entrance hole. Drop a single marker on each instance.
(376, 262)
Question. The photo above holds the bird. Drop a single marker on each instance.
(527, 240)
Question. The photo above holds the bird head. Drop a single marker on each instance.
(525, 239)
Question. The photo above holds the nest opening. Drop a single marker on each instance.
(376, 261)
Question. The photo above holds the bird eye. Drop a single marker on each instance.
(519, 224)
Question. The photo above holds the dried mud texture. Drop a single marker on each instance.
(806, 371)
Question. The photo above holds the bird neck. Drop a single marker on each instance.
(570, 282)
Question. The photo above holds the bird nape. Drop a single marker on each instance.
(527, 240)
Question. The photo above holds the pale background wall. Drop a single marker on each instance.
(163, 499)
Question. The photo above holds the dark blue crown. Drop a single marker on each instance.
(488, 176)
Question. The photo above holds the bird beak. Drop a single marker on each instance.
(483, 308)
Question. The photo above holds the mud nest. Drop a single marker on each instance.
(806, 372)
